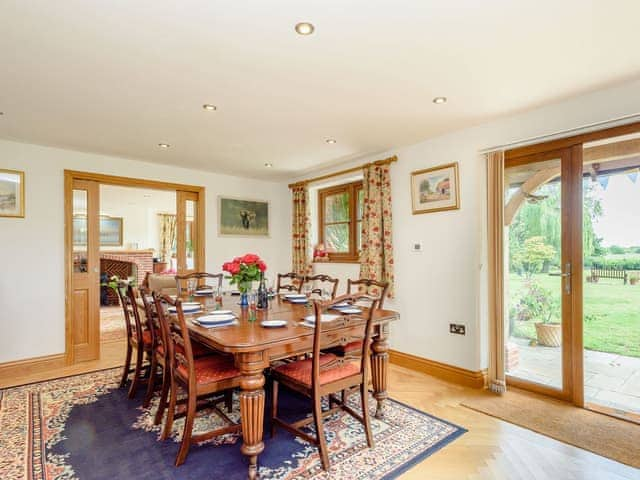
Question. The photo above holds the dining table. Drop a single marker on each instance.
(255, 347)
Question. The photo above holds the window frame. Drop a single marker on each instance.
(352, 189)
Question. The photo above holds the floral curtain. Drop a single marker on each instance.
(300, 230)
(376, 255)
(167, 235)
(495, 240)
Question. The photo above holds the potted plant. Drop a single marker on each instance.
(244, 270)
(539, 305)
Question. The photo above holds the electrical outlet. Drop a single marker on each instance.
(416, 247)
(457, 328)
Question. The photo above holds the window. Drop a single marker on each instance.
(340, 221)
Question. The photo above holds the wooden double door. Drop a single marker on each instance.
(82, 245)
(553, 194)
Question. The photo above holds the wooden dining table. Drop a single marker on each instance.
(255, 347)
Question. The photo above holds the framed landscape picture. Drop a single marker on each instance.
(435, 189)
(241, 217)
(11, 193)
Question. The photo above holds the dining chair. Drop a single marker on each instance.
(314, 280)
(138, 337)
(328, 374)
(294, 285)
(202, 279)
(374, 289)
(199, 377)
(368, 297)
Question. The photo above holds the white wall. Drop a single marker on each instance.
(32, 249)
(446, 282)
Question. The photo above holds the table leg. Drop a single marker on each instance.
(379, 367)
(252, 408)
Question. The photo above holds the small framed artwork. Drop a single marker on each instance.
(240, 217)
(11, 193)
(435, 189)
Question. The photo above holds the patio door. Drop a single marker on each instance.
(543, 265)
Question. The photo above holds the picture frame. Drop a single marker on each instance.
(240, 217)
(435, 189)
(11, 193)
(111, 231)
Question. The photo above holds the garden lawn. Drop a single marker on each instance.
(611, 312)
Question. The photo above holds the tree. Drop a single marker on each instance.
(532, 255)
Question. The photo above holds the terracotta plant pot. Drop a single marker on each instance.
(549, 334)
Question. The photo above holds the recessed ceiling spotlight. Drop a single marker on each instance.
(268, 165)
(164, 145)
(304, 28)
(208, 106)
(330, 141)
(440, 100)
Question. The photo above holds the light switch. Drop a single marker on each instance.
(416, 247)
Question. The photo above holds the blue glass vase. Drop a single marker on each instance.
(244, 299)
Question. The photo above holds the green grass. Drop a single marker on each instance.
(611, 312)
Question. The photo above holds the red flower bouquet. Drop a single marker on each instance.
(244, 270)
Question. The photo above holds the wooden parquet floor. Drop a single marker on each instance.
(491, 450)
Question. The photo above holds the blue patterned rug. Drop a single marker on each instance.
(84, 427)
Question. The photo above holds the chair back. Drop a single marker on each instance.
(373, 289)
(131, 312)
(332, 329)
(177, 338)
(201, 279)
(315, 279)
(153, 322)
(293, 285)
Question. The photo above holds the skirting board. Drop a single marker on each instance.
(29, 366)
(453, 374)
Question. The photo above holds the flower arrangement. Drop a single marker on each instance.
(245, 270)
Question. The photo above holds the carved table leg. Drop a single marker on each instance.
(252, 408)
(379, 364)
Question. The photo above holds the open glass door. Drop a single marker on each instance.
(189, 222)
(85, 274)
(539, 281)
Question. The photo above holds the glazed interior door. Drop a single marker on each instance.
(542, 278)
(190, 232)
(85, 277)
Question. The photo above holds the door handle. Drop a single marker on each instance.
(567, 278)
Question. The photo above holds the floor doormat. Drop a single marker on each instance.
(601, 434)
(84, 427)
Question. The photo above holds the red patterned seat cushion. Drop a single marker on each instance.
(300, 371)
(146, 338)
(212, 368)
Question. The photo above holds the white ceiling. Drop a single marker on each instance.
(120, 76)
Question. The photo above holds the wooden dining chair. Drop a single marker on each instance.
(369, 297)
(314, 280)
(294, 284)
(138, 338)
(198, 377)
(203, 279)
(328, 374)
(159, 359)
(374, 289)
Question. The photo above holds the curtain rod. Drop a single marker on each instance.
(386, 161)
(615, 122)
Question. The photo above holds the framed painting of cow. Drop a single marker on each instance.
(241, 217)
